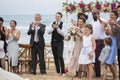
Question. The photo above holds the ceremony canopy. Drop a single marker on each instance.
(86, 6)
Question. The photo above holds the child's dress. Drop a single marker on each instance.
(87, 47)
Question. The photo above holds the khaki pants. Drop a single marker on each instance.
(104, 68)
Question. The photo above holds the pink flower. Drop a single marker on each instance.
(98, 6)
(82, 5)
(72, 7)
(113, 6)
(89, 6)
(68, 9)
(106, 5)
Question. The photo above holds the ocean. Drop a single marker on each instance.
(23, 22)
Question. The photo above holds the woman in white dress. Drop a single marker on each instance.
(87, 55)
(13, 47)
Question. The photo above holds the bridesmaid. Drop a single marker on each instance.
(73, 65)
(13, 47)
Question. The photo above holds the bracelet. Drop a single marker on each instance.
(91, 53)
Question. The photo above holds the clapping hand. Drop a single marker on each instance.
(33, 24)
(76, 29)
(55, 26)
(73, 22)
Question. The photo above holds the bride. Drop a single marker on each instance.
(5, 75)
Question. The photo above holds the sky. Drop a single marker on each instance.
(33, 6)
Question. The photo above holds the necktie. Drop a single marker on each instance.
(56, 23)
(36, 34)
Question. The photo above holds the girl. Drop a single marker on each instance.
(13, 46)
(87, 55)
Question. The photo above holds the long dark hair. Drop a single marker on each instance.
(3, 38)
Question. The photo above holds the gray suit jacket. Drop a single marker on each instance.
(41, 32)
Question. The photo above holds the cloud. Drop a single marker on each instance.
(30, 6)
(34, 6)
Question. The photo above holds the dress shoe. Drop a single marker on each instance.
(43, 73)
(34, 73)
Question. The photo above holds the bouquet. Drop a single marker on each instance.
(71, 32)
(91, 54)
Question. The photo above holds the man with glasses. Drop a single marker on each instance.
(37, 30)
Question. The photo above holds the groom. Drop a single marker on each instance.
(57, 42)
(37, 30)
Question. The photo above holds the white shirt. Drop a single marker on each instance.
(98, 29)
(118, 18)
(60, 31)
(2, 53)
(36, 33)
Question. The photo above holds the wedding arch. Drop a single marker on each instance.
(75, 7)
(105, 6)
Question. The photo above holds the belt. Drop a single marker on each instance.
(98, 40)
(36, 42)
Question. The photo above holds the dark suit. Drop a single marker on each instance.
(38, 48)
(57, 49)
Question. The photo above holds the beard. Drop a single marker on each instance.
(94, 18)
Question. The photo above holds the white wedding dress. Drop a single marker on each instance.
(5, 75)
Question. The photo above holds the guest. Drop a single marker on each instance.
(87, 54)
(2, 53)
(13, 47)
(118, 9)
(104, 55)
(99, 34)
(37, 30)
(73, 65)
(3, 31)
(110, 30)
(79, 15)
(57, 42)
(117, 30)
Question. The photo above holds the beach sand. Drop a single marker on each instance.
(51, 75)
